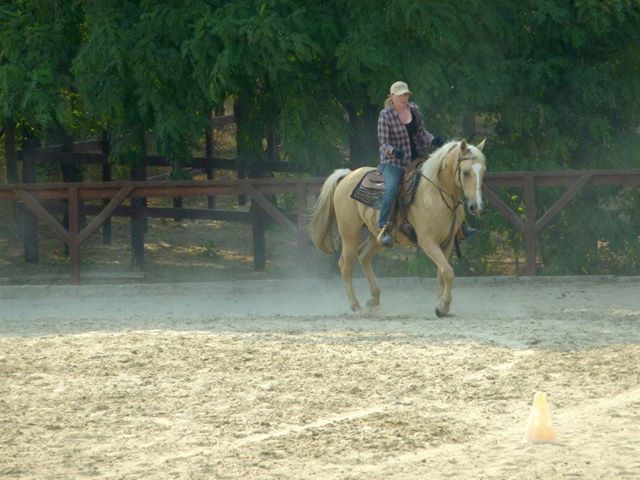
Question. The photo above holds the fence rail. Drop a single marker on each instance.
(35, 196)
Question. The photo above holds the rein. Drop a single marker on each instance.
(455, 202)
(443, 192)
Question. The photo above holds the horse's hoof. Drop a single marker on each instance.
(440, 313)
(373, 309)
(371, 303)
(356, 308)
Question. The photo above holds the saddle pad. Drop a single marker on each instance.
(371, 187)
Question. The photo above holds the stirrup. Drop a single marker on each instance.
(384, 237)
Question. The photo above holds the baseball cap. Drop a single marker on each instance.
(399, 88)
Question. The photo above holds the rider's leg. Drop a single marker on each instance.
(392, 178)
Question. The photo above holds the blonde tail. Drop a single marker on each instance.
(323, 217)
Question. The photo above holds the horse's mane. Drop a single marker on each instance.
(432, 165)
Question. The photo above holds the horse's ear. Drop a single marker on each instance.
(480, 146)
(445, 159)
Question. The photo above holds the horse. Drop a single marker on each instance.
(451, 176)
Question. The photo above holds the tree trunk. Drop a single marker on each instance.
(363, 136)
(468, 126)
(10, 152)
(249, 136)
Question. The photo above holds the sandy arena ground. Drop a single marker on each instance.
(275, 380)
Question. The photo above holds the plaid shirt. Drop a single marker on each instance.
(392, 134)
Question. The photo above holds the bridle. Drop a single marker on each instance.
(455, 201)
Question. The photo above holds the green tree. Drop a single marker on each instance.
(575, 84)
(133, 78)
(263, 54)
(38, 42)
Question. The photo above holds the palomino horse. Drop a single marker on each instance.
(452, 174)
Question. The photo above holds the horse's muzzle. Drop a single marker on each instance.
(475, 208)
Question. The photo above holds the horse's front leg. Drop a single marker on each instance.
(347, 263)
(445, 275)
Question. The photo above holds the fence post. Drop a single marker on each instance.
(530, 233)
(258, 224)
(29, 220)
(105, 145)
(208, 153)
(74, 228)
(71, 173)
(301, 192)
(138, 173)
(177, 203)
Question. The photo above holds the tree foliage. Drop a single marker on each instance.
(37, 45)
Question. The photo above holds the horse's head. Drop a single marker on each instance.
(468, 165)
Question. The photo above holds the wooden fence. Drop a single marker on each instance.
(530, 225)
(34, 196)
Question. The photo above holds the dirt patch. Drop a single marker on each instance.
(270, 380)
(336, 405)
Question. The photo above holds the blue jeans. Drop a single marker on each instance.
(392, 178)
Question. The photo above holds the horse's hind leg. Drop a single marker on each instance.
(366, 254)
(347, 263)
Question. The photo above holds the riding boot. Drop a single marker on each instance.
(384, 238)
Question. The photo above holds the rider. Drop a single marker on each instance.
(402, 137)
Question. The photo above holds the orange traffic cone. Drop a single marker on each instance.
(539, 427)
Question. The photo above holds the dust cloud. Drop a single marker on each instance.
(504, 310)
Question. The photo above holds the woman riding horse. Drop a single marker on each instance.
(451, 177)
(402, 137)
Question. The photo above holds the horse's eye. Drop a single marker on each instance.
(466, 173)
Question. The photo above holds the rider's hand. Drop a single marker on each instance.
(437, 141)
